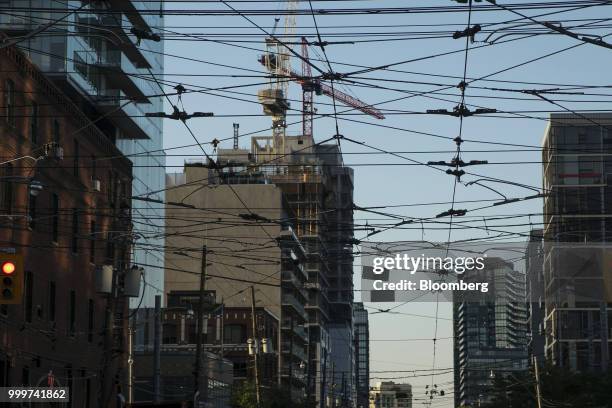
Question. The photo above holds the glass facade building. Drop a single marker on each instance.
(362, 354)
(490, 334)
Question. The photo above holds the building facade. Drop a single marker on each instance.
(319, 191)
(388, 394)
(245, 248)
(362, 354)
(101, 58)
(177, 345)
(490, 335)
(302, 202)
(576, 224)
(66, 229)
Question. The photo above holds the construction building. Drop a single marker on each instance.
(388, 394)
(577, 226)
(98, 53)
(288, 228)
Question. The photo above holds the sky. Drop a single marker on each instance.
(202, 62)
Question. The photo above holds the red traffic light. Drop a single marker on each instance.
(8, 268)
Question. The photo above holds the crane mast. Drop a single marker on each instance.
(277, 61)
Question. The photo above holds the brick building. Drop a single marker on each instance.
(77, 220)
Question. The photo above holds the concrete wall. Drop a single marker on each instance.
(240, 251)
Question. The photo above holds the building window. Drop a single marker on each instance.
(6, 192)
(9, 101)
(25, 376)
(56, 131)
(90, 320)
(70, 385)
(32, 211)
(72, 314)
(92, 242)
(234, 334)
(27, 304)
(52, 301)
(55, 205)
(170, 333)
(87, 388)
(75, 159)
(240, 369)
(34, 114)
(74, 244)
(110, 245)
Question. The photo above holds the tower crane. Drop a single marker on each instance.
(274, 98)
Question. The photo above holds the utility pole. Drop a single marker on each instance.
(130, 363)
(203, 393)
(222, 327)
(256, 345)
(157, 351)
(308, 372)
(333, 385)
(537, 376)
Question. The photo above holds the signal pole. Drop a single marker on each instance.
(200, 329)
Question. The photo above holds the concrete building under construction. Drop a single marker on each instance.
(286, 217)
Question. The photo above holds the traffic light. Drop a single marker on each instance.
(11, 278)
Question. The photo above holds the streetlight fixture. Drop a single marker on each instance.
(35, 187)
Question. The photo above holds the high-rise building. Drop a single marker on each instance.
(577, 226)
(362, 354)
(319, 191)
(490, 335)
(99, 54)
(388, 394)
(534, 264)
(339, 236)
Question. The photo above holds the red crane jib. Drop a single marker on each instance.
(338, 95)
(334, 93)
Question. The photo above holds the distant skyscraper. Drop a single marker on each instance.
(577, 179)
(100, 64)
(362, 354)
(490, 334)
(534, 263)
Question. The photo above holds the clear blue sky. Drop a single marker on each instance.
(400, 184)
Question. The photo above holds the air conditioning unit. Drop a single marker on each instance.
(57, 152)
(95, 185)
(54, 151)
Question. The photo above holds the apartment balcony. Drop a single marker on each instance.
(132, 12)
(288, 299)
(289, 278)
(293, 349)
(298, 329)
(117, 77)
(127, 118)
